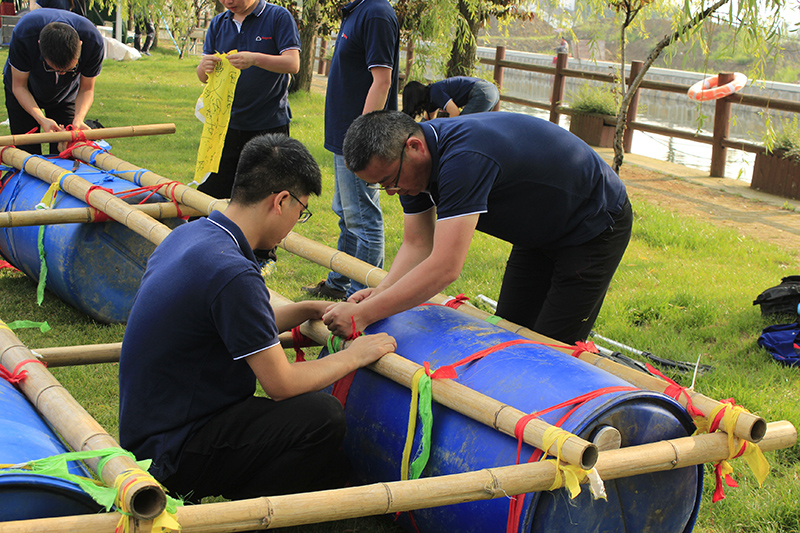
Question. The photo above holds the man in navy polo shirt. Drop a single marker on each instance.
(187, 392)
(267, 42)
(363, 78)
(521, 179)
(53, 61)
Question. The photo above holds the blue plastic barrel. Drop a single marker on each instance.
(25, 436)
(530, 377)
(95, 267)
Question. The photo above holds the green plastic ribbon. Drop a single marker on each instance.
(426, 415)
(493, 320)
(44, 327)
(56, 466)
(42, 268)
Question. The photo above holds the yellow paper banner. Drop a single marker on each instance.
(217, 102)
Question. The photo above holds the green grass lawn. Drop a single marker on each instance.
(684, 288)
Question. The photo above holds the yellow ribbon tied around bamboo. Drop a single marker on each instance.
(572, 474)
(217, 102)
(751, 453)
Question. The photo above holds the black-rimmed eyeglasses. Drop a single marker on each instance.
(394, 186)
(48, 68)
(305, 214)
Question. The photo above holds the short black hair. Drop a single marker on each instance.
(378, 134)
(59, 44)
(274, 162)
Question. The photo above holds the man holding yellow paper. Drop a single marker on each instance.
(267, 49)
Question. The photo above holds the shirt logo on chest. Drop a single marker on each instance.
(266, 38)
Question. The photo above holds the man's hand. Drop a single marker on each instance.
(80, 125)
(370, 348)
(242, 60)
(207, 64)
(340, 318)
(363, 294)
(47, 125)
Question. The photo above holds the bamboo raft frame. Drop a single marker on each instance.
(73, 215)
(92, 135)
(749, 426)
(148, 500)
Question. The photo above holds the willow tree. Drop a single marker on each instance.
(755, 25)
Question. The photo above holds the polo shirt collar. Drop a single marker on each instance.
(226, 224)
(261, 5)
(349, 8)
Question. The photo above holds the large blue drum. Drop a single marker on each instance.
(530, 377)
(97, 267)
(25, 436)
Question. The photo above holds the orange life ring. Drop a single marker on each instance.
(709, 88)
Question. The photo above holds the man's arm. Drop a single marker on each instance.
(419, 282)
(83, 102)
(379, 90)
(452, 109)
(288, 62)
(19, 86)
(281, 379)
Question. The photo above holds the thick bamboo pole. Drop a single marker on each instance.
(89, 354)
(144, 497)
(91, 135)
(181, 193)
(749, 426)
(71, 215)
(399, 496)
(464, 400)
(78, 187)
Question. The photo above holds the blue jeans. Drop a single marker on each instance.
(360, 223)
(483, 97)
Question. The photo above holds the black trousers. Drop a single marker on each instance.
(559, 292)
(219, 184)
(21, 122)
(261, 447)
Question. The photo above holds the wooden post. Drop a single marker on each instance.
(39, 217)
(409, 62)
(499, 55)
(399, 496)
(144, 497)
(92, 135)
(323, 49)
(722, 128)
(627, 139)
(749, 426)
(559, 81)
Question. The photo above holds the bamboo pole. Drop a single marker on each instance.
(78, 187)
(143, 497)
(400, 496)
(181, 193)
(464, 400)
(91, 135)
(39, 217)
(89, 354)
(749, 426)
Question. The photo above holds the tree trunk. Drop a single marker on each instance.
(465, 46)
(308, 47)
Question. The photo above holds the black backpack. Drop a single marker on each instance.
(781, 299)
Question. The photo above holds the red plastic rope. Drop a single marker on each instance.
(299, 340)
(675, 391)
(17, 375)
(457, 302)
(341, 388)
(516, 502)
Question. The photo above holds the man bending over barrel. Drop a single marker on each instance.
(53, 61)
(202, 331)
(518, 178)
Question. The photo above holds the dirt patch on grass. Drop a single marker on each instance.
(765, 221)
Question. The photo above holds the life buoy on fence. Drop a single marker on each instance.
(709, 88)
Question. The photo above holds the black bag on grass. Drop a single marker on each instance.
(780, 299)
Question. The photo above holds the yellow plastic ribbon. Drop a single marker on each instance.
(412, 423)
(163, 523)
(572, 475)
(217, 102)
(751, 452)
